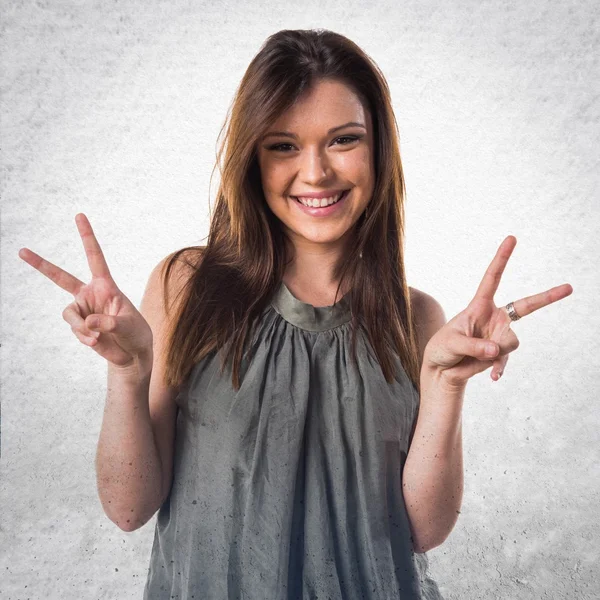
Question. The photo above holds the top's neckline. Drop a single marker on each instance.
(309, 317)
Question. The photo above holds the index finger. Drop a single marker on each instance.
(525, 306)
(95, 256)
(491, 279)
(65, 280)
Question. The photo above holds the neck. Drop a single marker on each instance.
(310, 274)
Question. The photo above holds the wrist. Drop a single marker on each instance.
(136, 372)
(432, 377)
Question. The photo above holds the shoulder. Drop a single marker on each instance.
(181, 265)
(184, 260)
(173, 272)
(426, 308)
(428, 317)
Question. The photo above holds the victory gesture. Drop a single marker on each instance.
(101, 316)
(480, 336)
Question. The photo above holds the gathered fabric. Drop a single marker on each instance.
(290, 488)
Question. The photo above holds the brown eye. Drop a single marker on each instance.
(279, 147)
(344, 140)
(350, 138)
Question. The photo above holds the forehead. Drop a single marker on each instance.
(326, 103)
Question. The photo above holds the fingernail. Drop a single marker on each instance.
(490, 349)
(500, 374)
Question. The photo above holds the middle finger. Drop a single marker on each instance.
(491, 279)
(95, 256)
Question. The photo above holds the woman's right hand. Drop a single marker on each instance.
(101, 316)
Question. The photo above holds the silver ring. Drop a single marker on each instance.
(512, 313)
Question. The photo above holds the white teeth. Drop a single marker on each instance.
(320, 202)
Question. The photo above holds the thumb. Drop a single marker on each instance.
(101, 323)
(484, 349)
(126, 327)
(479, 348)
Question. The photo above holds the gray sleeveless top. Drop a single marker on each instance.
(291, 487)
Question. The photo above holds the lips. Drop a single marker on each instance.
(325, 211)
(341, 195)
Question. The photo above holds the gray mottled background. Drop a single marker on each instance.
(113, 109)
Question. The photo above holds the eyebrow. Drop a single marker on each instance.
(332, 130)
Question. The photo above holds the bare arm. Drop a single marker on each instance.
(135, 451)
(433, 471)
(135, 447)
(128, 466)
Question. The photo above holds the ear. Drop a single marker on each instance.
(429, 317)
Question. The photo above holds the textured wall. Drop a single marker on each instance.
(113, 109)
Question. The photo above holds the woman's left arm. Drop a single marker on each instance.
(477, 338)
(433, 471)
(432, 480)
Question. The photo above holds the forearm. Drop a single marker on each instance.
(128, 465)
(433, 471)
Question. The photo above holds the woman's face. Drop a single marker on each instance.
(302, 154)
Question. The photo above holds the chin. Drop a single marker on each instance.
(320, 237)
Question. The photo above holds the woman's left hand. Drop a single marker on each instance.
(457, 351)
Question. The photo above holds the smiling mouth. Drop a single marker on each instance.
(318, 202)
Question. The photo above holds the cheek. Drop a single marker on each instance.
(366, 163)
(273, 177)
(357, 166)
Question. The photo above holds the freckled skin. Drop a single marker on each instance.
(319, 161)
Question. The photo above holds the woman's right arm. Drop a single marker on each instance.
(134, 461)
(128, 464)
(135, 449)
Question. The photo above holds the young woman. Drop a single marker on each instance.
(289, 405)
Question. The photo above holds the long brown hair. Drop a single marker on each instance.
(235, 275)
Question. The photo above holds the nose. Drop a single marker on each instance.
(314, 167)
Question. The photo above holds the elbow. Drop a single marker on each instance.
(130, 524)
(426, 547)
(124, 523)
(428, 541)
(128, 518)
(427, 538)
(127, 526)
